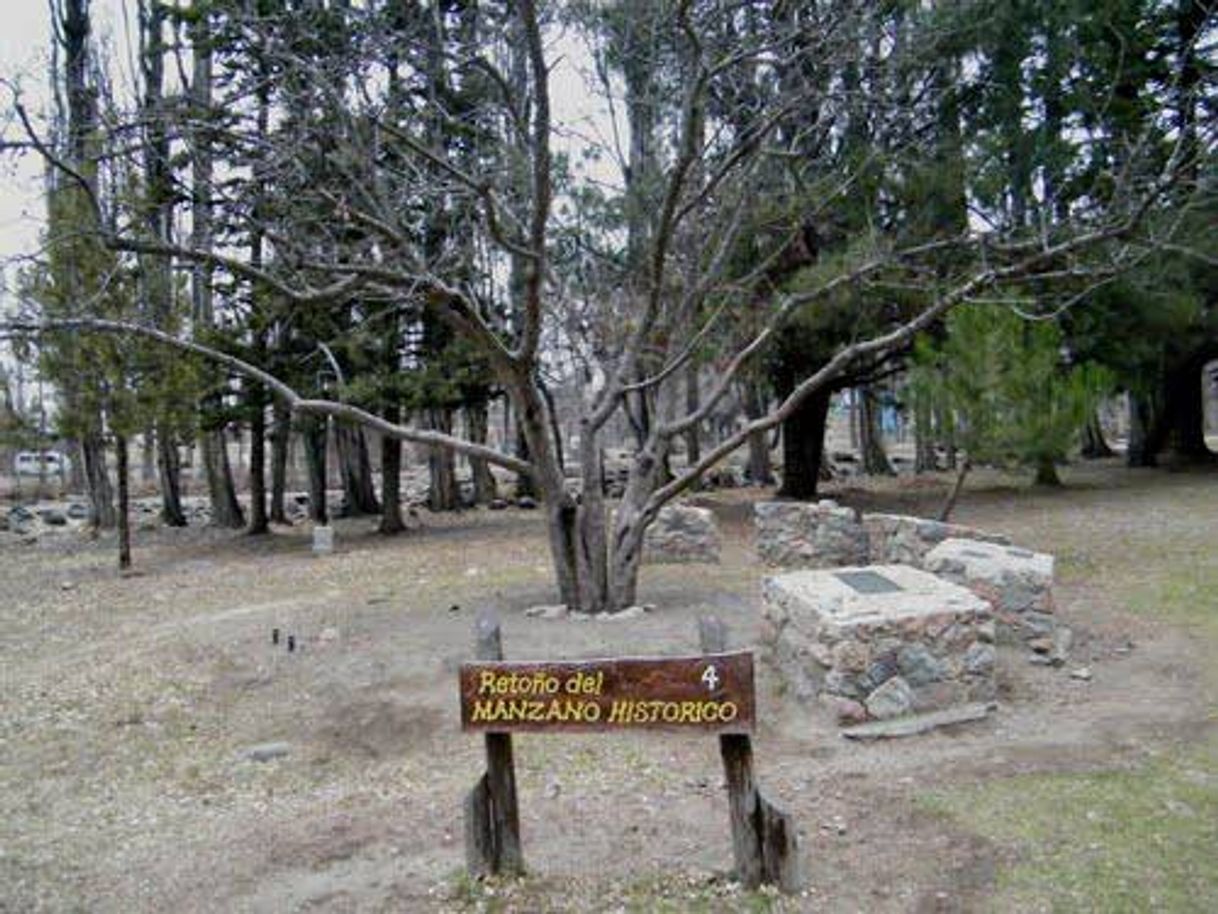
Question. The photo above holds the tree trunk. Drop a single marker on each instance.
(225, 509)
(1046, 472)
(170, 475)
(391, 477)
(148, 456)
(760, 472)
(924, 439)
(693, 444)
(1140, 451)
(281, 439)
(313, 431)
(1094, 444)
(443, 493)
(871, 441)
(359, 494)
(124, 503)
(526, 487)
(803, 447)
(259, 521)
(950, 504)
(485, 490)
(101, 495)
(1183, 420)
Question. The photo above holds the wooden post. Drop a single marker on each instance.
(764, 841)
(492, 818)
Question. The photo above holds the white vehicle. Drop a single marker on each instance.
(41, 463)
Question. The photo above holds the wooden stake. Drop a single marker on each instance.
(492, 818)
(764, 841)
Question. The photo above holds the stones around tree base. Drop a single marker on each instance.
(682, 534)
(890, 639)
(1017, 582)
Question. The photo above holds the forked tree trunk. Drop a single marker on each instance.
(281, 439)
(485, 490)
(169, 472)
(124, 503)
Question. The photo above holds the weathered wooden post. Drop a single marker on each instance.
(764, 840)
(492, 819)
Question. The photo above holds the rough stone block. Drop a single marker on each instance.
(905, 540)
(887, 638)
(682, 533)
(1018, 582)
(802, 535)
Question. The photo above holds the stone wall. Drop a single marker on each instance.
(682, 533)
(878, 642)
(792, 534)
(1017, 582)
(905, 540)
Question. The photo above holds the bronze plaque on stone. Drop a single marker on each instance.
(712, 693)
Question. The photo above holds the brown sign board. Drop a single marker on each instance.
(712, 693)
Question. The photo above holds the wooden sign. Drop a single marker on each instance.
(712, 693)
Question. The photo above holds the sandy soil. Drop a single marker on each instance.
(129, 703)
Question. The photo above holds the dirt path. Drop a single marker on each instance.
(130, 706)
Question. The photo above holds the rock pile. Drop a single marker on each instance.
(682, 533)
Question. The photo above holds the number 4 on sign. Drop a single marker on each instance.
(710, 676)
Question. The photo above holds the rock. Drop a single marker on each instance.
(498, 504)
(845, 710)
(680, 534)
(919, 666)
(77, 511)
(67, 585)
(552, 789)
(893, 699)
(328, 634)
(1041, 645)
(919, 723)
(554, 611)
(1063, 641)
(1083, 674)
(630, 612)
(987, 632)
(1018, 582)
(323, 540)
(526, 503)
(265, 752)
(19, 514)
(980, 658)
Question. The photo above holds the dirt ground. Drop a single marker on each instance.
(130, 705)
